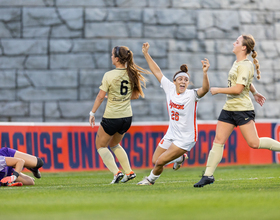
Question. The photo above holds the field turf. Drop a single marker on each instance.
(239, 192)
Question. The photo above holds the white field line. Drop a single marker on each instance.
(130, 183)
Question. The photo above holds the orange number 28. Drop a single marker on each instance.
(175, 116)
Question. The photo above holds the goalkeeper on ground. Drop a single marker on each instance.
(11, 164)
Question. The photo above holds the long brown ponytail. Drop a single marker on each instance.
(249, 42)
(134, 71)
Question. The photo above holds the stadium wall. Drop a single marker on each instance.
(71, 147)
(53, 53)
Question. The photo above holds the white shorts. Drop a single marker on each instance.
(165, 144)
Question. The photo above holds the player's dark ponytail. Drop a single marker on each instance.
(183, 68)
(134, 71)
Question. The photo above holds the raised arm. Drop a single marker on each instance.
(152, 64)
(205, 83)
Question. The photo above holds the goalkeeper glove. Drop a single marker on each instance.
(8, 180)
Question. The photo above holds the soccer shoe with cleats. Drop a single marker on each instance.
(128, 177)
(146, 181)
(35, 172)
(204, 181)
(177, 165)
(16, 184)
(117, 177)
(11, 184)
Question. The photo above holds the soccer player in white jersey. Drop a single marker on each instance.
(181, 135)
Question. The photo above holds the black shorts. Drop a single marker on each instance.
(113, 125)
(237, 118)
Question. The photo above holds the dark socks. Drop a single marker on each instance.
(40, 163)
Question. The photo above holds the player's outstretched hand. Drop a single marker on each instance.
(205, 65)
(259, 98)
(145, 47)
(214, 90)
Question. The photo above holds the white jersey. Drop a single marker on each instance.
(182, 110)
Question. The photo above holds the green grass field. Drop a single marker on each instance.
(240, 192)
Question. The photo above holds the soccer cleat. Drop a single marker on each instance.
(177, 165)
(117, 177)
(146, 181)
(128, 177)
(204, 181)
(35, 172)
(16, 184)
(12, 184)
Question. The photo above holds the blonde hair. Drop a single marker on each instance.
(134, 71)
(249, 42)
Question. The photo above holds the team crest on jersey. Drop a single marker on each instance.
(173, 105)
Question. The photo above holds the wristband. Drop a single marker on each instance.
(91, 113)
(254, 93)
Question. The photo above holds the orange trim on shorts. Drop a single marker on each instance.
(195, 130)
